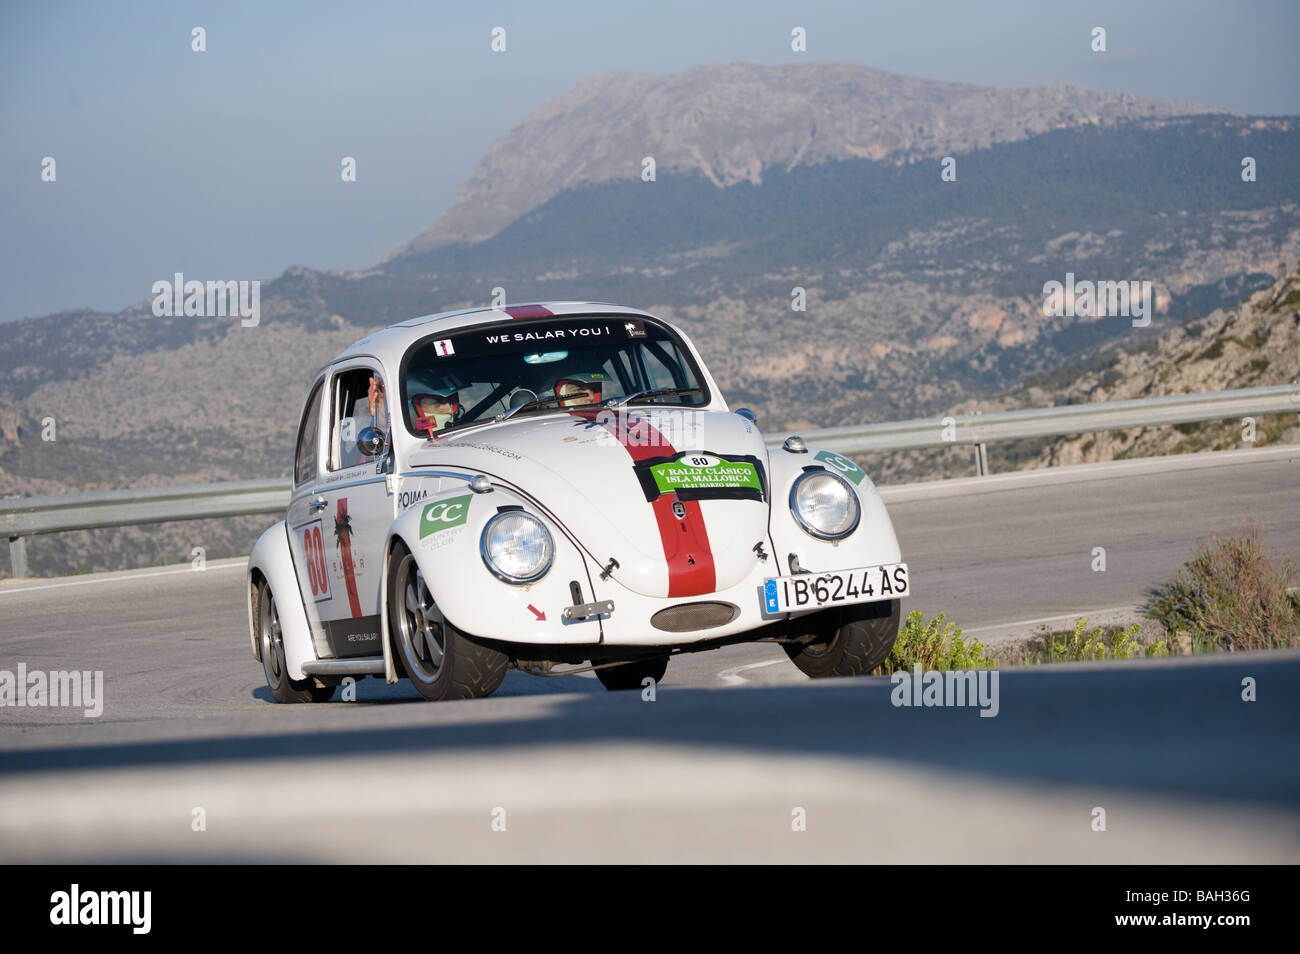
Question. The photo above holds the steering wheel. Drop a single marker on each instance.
(520, 396)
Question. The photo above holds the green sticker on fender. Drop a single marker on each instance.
(842, 466)
(444, 514)
(705, 472)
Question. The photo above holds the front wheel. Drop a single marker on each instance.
(440, 660)
(850, 641)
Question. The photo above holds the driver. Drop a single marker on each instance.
(578, 390)
(435, 411)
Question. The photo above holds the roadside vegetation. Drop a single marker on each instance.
(1231, 596)
(1103, 642)
(935, 645)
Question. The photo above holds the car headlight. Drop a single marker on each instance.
(517, 547)
(825, 505)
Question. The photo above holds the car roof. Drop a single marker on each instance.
(389, 344)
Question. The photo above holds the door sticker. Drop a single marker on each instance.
(313, 547)
(343, 541)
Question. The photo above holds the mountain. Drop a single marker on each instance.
(728, 124)
(921, 293)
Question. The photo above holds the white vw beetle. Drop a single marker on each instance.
(556, 484)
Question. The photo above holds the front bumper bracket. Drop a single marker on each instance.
(588, 610)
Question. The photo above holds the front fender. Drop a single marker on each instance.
(271, 559)
(872, 543)
(445, 543)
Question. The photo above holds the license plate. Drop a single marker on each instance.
(868, 584)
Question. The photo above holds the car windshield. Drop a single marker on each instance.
(473, 374)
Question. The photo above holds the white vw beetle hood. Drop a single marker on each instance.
(677, 496)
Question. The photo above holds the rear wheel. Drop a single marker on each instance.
(631, 675)
(271, 636)
(440, 660)
(850, 641)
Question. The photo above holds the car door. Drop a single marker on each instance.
(357, 510)
(305, 518)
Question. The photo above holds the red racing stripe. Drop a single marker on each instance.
(527, 311)
(686, 541)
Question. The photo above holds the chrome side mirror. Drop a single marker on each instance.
(371, 442)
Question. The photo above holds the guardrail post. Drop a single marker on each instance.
(18, 556)
(981, 454)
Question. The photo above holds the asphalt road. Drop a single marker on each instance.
(737, 742)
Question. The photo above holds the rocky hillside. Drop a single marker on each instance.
(1254, 344)
(730, 123)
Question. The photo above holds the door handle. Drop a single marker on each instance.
(317, 504)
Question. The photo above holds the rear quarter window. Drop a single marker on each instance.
(304, 461)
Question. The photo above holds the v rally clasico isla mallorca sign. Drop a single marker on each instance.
(698, 475)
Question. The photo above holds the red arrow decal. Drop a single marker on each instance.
(536, 612)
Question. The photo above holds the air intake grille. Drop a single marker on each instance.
(686, 617)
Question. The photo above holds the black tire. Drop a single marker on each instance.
(283, 689)
(439, 660)
(850, 641)
(630, 675)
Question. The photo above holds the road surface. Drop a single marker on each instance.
(737, 751)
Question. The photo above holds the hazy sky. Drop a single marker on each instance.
(225, 164)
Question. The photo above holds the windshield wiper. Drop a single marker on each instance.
(654, 392)
(460, 425)
(505, 416)
(527, 405)
(544, 401)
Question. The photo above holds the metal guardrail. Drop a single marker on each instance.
(117, 508)
(32, 515)
(1058, 421)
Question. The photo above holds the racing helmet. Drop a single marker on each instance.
(579, 389)
(426, 418)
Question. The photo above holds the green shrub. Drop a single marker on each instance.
(1230, 596)
(1102, 643)
(935, 646)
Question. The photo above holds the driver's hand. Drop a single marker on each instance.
(375, 395)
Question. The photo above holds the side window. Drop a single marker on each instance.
(663, 365)
(351, 414)
(617, 376)
(304, 461)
